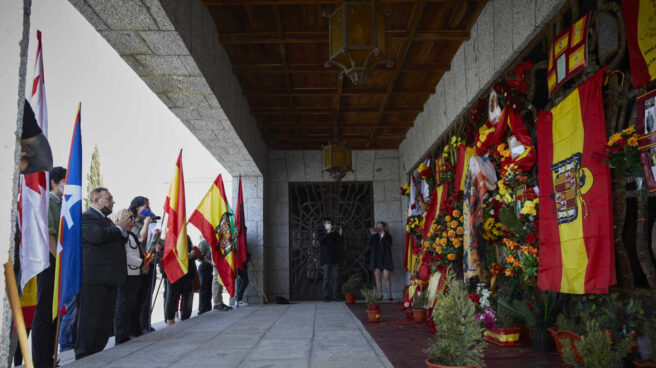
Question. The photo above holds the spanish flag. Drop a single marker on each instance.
(464, 154)
(175, 260)
(438, 197)
(641, 39)
(576, 253)
(213, 217)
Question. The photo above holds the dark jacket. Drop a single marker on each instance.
(103, 251)
(330, 245)
(381, 246)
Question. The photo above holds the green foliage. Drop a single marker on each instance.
(538, 310)
(597, 349)
(420, 300)
(620, 314)
(512, 222)
(458, 340)
(573, 323)
(505, 317)
(370, 295)
(94, 178)
(352, 285)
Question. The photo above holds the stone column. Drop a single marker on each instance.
(14, 33)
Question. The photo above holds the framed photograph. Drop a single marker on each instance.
(646, 128)
(518, 191)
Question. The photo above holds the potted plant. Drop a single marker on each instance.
(373, 303)
(350, 287)
(506, 331)
(597, 349)
(647, 346)
(567, 332)
(419, 307)
(458, 341)
(538, 311)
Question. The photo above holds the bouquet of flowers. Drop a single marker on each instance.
(415, 225)
(622, 152)
(425, 174)
(405, 189)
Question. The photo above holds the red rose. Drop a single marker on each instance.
(475, 298)
(531, 238)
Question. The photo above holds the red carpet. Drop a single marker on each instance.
(403, 341)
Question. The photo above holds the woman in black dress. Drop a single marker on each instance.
(380, 244)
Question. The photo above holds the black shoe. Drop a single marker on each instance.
(326, 299)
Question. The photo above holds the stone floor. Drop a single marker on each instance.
(306, 334)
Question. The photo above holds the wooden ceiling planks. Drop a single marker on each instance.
(278, 50)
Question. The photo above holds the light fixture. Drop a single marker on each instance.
(357, 40)
(337, 159)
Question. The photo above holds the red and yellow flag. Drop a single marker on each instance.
(28, 301)
(641, 39)
(464, 154)
(175, 260)
(576, 223)
(437, 201)
(213, 217)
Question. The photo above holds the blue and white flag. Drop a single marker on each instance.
(68, 280)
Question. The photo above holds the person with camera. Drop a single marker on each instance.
(380, 245)
(144, 217)
(330, 240)
(127, 311)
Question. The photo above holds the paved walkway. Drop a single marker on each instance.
(307, 334)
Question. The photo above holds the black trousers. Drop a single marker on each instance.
(205, 293)
(330, 273)
(243, 281)
(181, 290)
(95, 318)
(145, 299)
(44, 328)
(126, 309)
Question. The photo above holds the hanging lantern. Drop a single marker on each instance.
(357, 40)
(337, 159)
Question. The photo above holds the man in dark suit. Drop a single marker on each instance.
(103, 269)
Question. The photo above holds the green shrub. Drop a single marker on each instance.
(352, 285)
(370, 295)
(458, 340)
(505, 318)
(597, 349)
(420, 300)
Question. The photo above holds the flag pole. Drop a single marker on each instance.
(151, 302)
(12, 293)
(54, 361)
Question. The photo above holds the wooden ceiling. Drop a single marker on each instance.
(278, 50)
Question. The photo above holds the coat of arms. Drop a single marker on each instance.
(571, 181)
(224, 235)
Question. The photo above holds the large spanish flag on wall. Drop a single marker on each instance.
(641, 39)
(213, 217)
(576, 224)
(175, 260)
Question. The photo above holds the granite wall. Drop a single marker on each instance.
(503, 29)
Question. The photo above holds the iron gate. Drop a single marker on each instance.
(349, 204)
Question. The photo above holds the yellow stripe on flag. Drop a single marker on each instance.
(55, 293)
(181, 249)
(646, 39)
(212, 207)
(173, 190)
(28, 298)
(568, 139)
(469, 152)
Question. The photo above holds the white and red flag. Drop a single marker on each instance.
(34, 189)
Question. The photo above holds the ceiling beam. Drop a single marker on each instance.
(332, 92)
(413, 23)
(309, 2)
(322, 37)
(321, 68)
(330, 111)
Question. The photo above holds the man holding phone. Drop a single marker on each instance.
(330, 239)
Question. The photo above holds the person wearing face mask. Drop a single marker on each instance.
(330, 240)
(44, 327)
(125, 320)
(380, 245)
(140, 208)
(103, 270)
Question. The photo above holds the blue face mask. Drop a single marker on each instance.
(146, 212)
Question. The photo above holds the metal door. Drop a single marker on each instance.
(348, 204)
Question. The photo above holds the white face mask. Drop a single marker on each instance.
(61, 188)
(328, 226)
